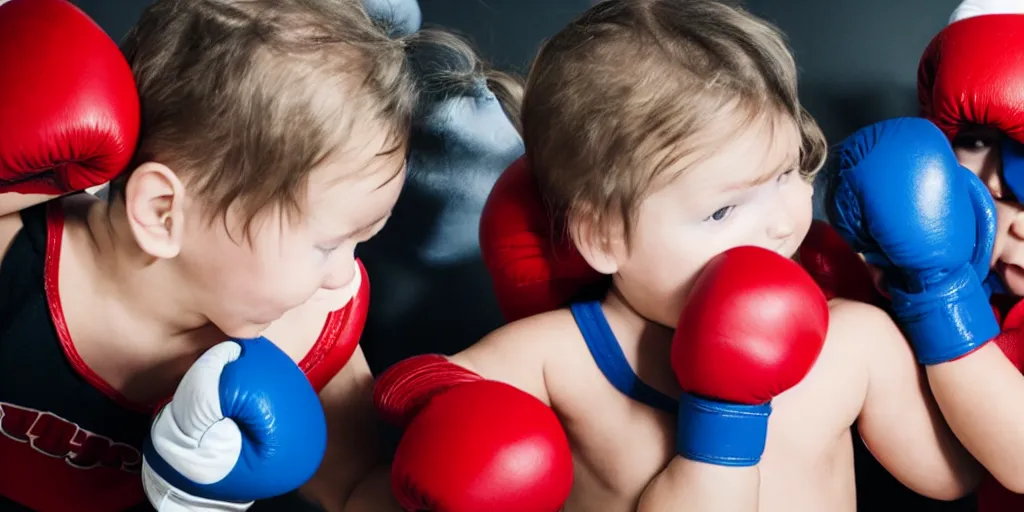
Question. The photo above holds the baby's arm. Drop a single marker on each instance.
(11, 203)
(899, 420)
(687, 485)
(982, 398)
(351, 477)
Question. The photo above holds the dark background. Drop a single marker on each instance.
(857, 60)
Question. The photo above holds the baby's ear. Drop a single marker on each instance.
(604, 249)
(154, 202)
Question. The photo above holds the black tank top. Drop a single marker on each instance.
(65, 444)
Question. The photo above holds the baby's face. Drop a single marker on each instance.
(979, 149)
(289, 262)
(746, 190)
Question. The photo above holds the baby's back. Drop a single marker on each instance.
(620, 444)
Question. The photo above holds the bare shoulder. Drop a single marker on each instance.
(862, 332)
(521, 352)
(537, 338)
(863, 341)
(859, 324)
(10, 225)
(838, 382)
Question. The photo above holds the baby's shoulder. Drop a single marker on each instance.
(857, 333)
(855, 322)
(550, 335)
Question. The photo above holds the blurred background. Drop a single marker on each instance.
(857, 61)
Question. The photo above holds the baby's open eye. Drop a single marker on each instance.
(720, 214)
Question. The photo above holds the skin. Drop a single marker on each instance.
(743, 191)
(148, 283)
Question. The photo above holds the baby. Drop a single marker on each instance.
(664, 138)
(252, 146)
(966, 214)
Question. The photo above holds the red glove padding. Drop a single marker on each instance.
(836, 267)
(533, 269)
(972, 73)
(471, 444)
(69, 118)
(754, 326)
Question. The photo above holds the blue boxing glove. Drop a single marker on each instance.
(244, 424)
(901, 198)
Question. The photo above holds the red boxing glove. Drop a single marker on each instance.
(972, 74)
(69, 118)
(471, 444)
(834, 265)
(533, 269)
(753, 326)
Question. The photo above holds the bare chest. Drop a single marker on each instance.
(621, 445)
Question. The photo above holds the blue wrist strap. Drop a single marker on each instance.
(721, 433)
(947, 322)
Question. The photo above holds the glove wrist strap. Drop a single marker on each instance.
(721, 433)
(167, 498)
(948, 320)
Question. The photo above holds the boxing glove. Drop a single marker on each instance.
(533, 269)
(69, 118)
(471, 444)
(970, 75)
(900, 198)
(834, 265)
(753, 326)
(244, 424)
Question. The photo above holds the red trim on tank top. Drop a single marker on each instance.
(51, 279)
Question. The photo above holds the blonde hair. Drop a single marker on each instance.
(619, 95)
(244, 98)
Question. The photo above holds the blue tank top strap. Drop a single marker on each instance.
(612, 361)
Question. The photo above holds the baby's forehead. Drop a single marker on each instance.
(735, 141)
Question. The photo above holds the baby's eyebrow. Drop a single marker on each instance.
(341, 238)
(789, 164)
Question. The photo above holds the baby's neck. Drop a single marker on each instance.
(149, 288)
(127, 314)
(646, 344)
